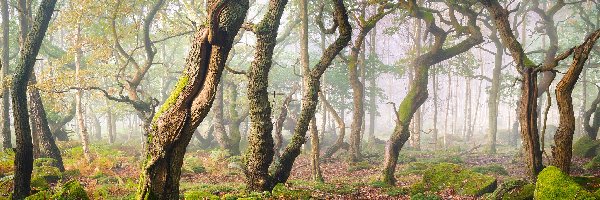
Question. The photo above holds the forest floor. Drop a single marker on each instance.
(115, 169)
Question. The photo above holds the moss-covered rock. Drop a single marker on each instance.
(452, 176)
(586, 147)
(554, 184)
(425, 196)
(513, 190)
(48, 173)
(71, 190)
(493, 169)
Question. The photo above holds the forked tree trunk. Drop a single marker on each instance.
(563, 139)
(174, 124)
(24, 149)
(260, 150)
(417, 94)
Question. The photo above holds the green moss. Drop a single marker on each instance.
(586, 147)
(554, 184)
(183, 81)
(513, 190)
(424, 196)
(200, 195)
(39, 162)
(281, 192)
(528, 62)
(71, 190)
(42, 195)
(493, 169)
(39, 183)
(48, 173)
(452, 176)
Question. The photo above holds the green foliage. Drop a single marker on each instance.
(281, 192)
(6, 162)
(71, 190)
(586, 147)
(447, 175)
(424, 196)
(41, 195)
(200, 195)
(554, 184)
(593, 164)
(493, 169)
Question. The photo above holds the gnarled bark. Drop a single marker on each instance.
(563, 139)
(417, 94)
(174, 124)
(30, 47)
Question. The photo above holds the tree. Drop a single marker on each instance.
(563, 139)
(260, 149)
(174, 124)
(418, 90)
(23, 71)
(592, 129)
(6, 143)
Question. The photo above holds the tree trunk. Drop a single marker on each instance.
(283, 113)
(528, 122)
(79, 109)
(417, 94)
(591, 130)
(30, 47)
(315, 151)
(562, 152)
(339, 142)
(110, 126)
(96, 125)
(494, 93)
(435, 108)
(174, 124)
(6, 133)
(218, 122)
(45, 140)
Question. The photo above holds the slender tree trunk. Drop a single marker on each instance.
(315, 151)
(562, 151)
(24, 148)
(110, 126)
(448, 100)
(279, 123)
(435, 108)
(79, 109)
(97, 126)
(339, 142)
(494, 93)
(174, 124)
(416, 136)
(218, 122)
(6, 133)
(591, 130)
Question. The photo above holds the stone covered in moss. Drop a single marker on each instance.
(586, 147)
(554, 184)
(513, 190)
(452, 176)
(71, 190)
(200, 195)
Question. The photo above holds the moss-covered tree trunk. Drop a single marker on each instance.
(563, 139)
(417, 94)
(24, 148)
(5, 115)
(174, 124)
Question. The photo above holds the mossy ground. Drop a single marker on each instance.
(207, 174)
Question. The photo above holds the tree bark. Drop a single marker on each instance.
(6, 133)
(79, 109)
(591, 130)
(563, 139)
(283, 114)
(339, 142)
(315, 152)
(418, 90)
(46, 146)
(24, 153)
(174, 124)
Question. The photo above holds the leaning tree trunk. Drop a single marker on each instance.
(24, 153)
(45, 140)
(563, 139)
(417, 94)
(339, 142)
(174, 124)
(6, 137)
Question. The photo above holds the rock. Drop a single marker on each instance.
(513, 190)
(452, 176)
(554, 184)
(586, 147)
